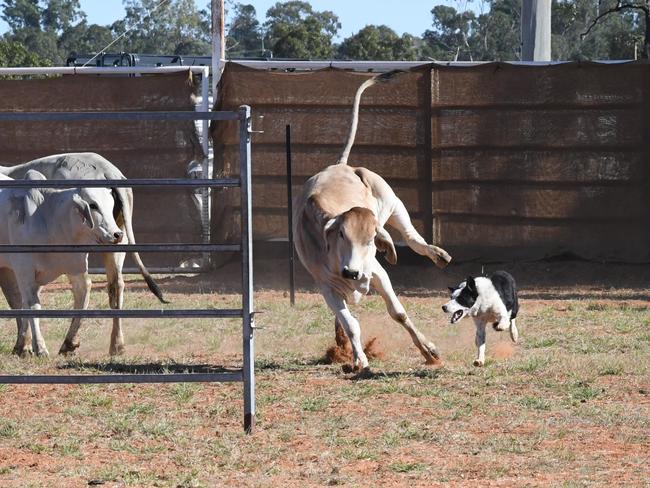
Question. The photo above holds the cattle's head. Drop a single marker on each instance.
(93, 215)
(353, 238)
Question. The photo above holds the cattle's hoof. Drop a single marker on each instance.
(43, 353)
(438, 363)
(68, 348)
(478, 363)
(439, 256)
(360, 374)
(23, 352)
(117, 350)
(431, 354)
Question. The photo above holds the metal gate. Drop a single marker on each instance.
(247, 373)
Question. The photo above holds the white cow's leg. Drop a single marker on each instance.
(113, 263)
(32, 300)
(514, 333)
(81, 287)
(480, 342)
(12, 294)
(349, 323)
(402, 222)
(381, 282)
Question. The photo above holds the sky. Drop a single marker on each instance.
(412, 16)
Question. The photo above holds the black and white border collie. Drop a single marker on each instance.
(490, 300)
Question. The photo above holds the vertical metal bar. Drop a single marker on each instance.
(205, 143)
(426, 199)
(292, 283)
(247, 266)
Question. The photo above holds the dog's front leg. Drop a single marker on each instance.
(349, 323)
(480, 341)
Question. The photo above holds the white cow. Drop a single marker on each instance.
(52, 217)
(339, 224)
(93, 166)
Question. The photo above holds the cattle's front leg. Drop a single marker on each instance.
(349, 323)
(30, 292)
(402, 222)
(12, 294)
(480, 341)
(381, 282)
(81, 286)
(115, 283)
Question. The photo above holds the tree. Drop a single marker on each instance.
(295, 30)
(244, 36)
(378, 43)
(60, 15)
(38, 24)
(630, 13)
(13, 54)
(84, 39)
(497, 33)
(450, 38)
(169, 28)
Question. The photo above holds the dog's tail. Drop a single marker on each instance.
(380, 78)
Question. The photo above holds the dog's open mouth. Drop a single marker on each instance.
(458, 314)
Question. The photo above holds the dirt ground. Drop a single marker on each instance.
(569, 405)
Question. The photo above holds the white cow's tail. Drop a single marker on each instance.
(127, 212)
(355, 110)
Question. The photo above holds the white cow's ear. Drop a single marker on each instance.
(329, 227)
(384, 243)
(84, 211)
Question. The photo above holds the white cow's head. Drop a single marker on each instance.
(353, 238)
(93, 215)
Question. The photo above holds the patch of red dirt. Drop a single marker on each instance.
(502, 350)
(342, 351)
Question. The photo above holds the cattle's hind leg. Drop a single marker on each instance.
(402, 222)
(113, 263)
(81, 287)
(11, 292)
(381, 282)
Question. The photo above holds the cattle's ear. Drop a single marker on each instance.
(384, 244)
(330, 226)
(83, 208)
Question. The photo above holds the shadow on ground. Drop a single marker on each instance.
(416, 276)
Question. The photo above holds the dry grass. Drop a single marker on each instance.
(568, 406)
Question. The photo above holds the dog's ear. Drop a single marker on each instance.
(451, 289)
(384, 244)
(470, 284)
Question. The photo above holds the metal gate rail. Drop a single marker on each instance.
(247, 373)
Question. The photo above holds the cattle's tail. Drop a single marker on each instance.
(127, 212)
(355, 110)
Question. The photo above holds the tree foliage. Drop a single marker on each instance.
(244, 33)
(48, 31)
(14, 54)
(174, 27)
(379, 43)
(295, 30)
